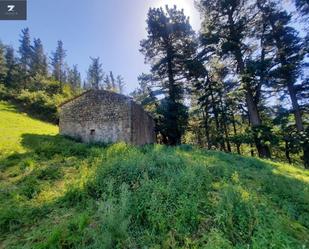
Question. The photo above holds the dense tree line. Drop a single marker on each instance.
(39, 83)
(239, 85)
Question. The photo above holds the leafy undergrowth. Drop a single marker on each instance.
(56, 193)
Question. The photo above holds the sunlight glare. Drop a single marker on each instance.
(186, 5)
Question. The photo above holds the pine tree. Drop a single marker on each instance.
(95, 74)
(3, 68)
(113, 84)
(302, 6)
(74, 78)
(226, 29)
(25, 51)
(289, 57)
(86, 85)
(120, 84)
(13, 75)
(58, 64)
(144, 94)
(212, 97)
(113, 81)
(39, 64)
(169, 48)
(107, 85)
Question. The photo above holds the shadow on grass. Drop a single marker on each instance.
(27, 174)
(41, 114)
(41, 148)
(290, 196)
(285, 191)
(7, 108)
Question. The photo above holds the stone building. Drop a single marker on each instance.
(102, 116)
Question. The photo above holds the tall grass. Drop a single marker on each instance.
(56, 193)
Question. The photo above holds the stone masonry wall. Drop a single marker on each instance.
(97, 116)
(101, 116)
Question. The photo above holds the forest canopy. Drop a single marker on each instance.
(238, 85)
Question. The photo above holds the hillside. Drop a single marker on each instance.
(56, 193)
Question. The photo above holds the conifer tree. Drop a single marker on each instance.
(74, 77)
(302, 6)
(289, 58)
(3, 68)
(169, 48)
(39, 65)
(120, 84)
(58, 64)
(25, 51)
(107, 83)
(227, 29)
(113, 81)
(13, 75)
(95, 74)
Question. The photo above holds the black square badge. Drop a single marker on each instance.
(13, 9)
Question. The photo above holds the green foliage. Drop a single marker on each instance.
(41, 98)
(169, 113)
(170, 48)
(58, 63)
(40, 83)
(39, 64)
(236, 214)
(74, 78)
(95, 73)
(25, 51)
(3, 68)
(57, 193)
(38, 102)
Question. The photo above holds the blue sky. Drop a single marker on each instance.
(110, 29)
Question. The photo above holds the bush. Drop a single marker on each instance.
(40, 98)
(38, 102)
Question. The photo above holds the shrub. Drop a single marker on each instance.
(38, 102)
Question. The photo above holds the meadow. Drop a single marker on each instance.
(58, 193)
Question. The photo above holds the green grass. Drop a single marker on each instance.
(56, 193)
(14, 124)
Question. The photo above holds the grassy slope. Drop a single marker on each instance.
(14, 124)
(56, 193)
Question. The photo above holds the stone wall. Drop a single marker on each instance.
(97, 116)
(101, 116)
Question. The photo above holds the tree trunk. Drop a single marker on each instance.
(292, 93)
(206, 125)
(287, 152)
(255, 120)
(299, 122)
(225, 127)
(172, 89)
(227, 138)
(306, 155)
(235, 133)
(254, 116)
(296, 109)
(215, 110)
(252, 150)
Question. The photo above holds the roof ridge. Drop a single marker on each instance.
(92, 90)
